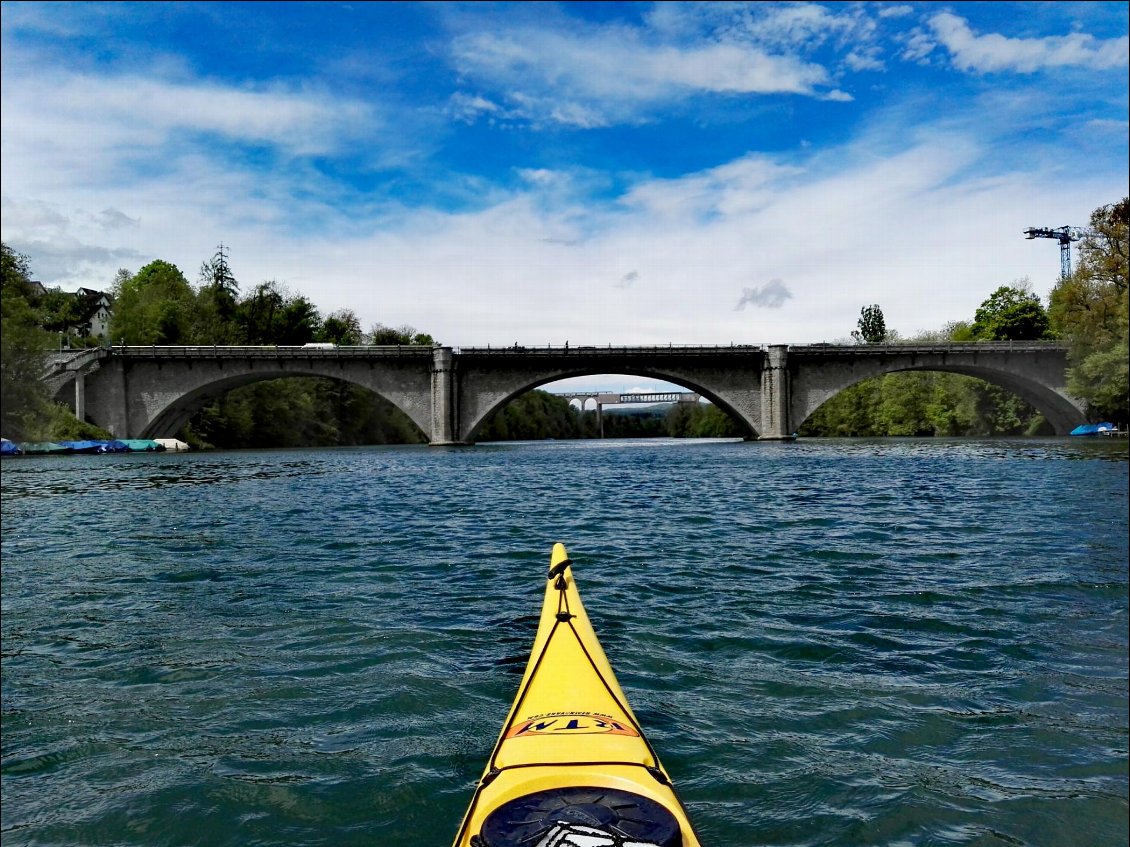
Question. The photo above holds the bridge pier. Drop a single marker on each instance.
(444, 401)
(775, 398)
(109, 401)
(80, 396)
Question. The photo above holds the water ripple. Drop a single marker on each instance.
(830, 643)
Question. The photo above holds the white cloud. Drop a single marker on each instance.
(592, 77)
(995, 52)
(778, 27)
(917, 46)
(864, 60)
(470, 107)
(618, 65)
(80, 116)
(746, 184)
(895, 11)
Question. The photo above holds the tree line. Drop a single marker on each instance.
(158, 305)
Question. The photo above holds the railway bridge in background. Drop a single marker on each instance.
(151, 392)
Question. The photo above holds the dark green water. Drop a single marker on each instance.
(835, 643)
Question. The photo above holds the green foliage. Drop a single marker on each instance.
(536, 415)
(216, 277)
(872, 326)
(300, 412)
(381, 334)
(23, 349)
(923, 403)
(700, 420)
(216, 302)
(341, 327)
(958, 331)
(60, 424)
(627, 422)
(539, 415)
(1090, 310)
(59, 310)
(154, 306)
(1011, 313)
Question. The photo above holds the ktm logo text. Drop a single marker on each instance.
(570, 723)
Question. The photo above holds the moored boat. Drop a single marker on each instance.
(1104, 428)
(572, 765)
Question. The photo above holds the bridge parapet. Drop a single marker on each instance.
(902, 348)
(382, 351)
(613, 352)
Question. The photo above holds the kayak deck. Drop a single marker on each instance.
(572, 756)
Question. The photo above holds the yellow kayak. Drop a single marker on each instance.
(572, 765)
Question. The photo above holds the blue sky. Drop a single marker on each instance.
(625, 173)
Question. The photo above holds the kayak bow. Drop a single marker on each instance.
(572, 765)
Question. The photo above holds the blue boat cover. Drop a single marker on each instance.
(83, 446)
(1093, 429)
(9, 448)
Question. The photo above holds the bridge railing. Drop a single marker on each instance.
(272, 351)
(609, 350)
(900, 347)
(207, 351)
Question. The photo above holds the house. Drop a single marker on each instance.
(89, 314)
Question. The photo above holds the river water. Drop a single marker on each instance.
(828, 642)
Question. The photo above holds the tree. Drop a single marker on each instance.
(60, 309)
(216, 275)
(23, 347)
(404, 334)
(1090, 310)
(217, 301)
(1011, 313)
(298, 322)
(154, 306)
(341, 327)
(872, 326)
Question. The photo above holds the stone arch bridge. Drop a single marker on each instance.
(151, 392)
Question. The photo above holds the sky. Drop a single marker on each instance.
(590, 173)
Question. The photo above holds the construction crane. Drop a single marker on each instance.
(1064, 235)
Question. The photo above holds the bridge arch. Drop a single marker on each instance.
(170, 420)
(154, 397)
(1026, 378)
(506, 391)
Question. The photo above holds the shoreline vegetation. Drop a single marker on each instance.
(157, 305)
